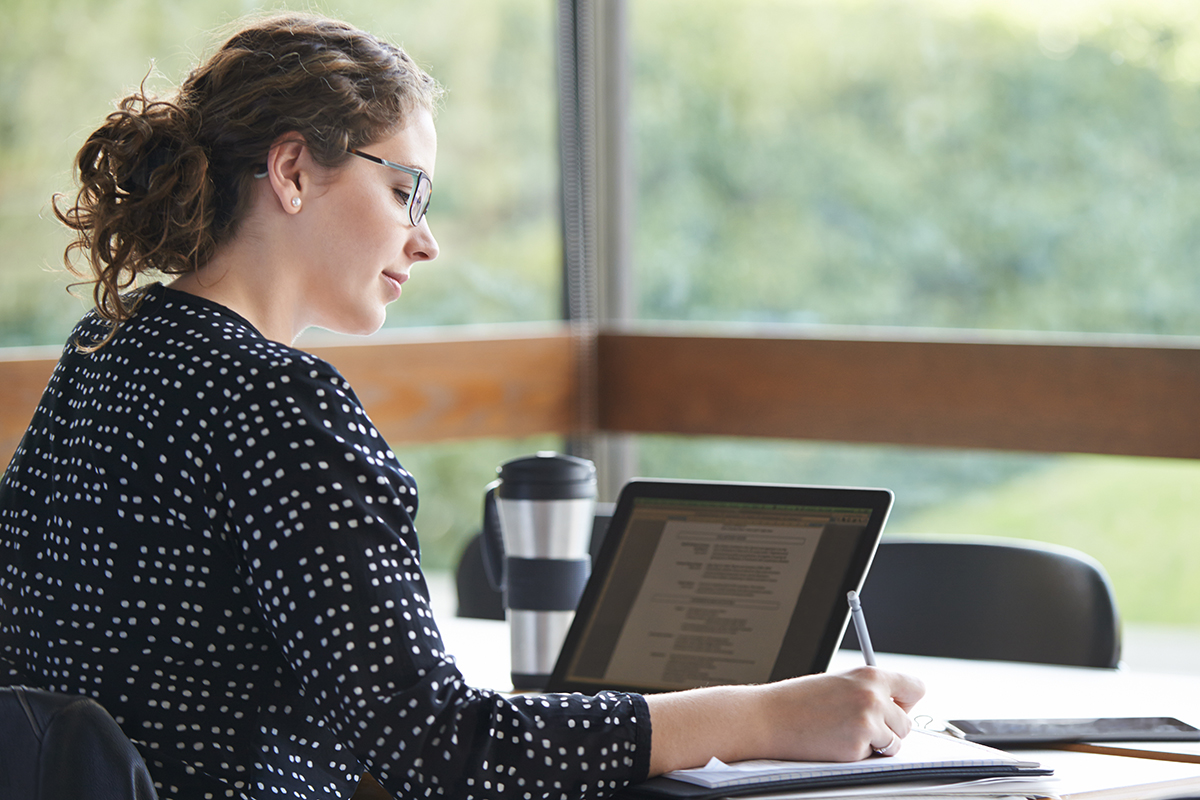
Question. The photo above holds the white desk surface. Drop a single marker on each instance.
(959, 689)
(955, 689)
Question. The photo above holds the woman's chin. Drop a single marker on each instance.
(363, 324)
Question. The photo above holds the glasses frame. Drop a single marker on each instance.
(415, 214)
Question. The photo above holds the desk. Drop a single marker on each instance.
(964, 689)
(982, 689)
(954, 688)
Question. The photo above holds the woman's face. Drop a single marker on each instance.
(359, 244)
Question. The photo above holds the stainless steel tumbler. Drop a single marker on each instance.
(537, 528)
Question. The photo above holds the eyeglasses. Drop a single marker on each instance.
(418, 199)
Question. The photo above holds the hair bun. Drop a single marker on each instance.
(138, 178)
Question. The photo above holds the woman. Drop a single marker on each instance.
(203, 529)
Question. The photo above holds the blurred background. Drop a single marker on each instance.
(1025, 166)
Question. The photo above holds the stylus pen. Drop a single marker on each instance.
(860, 626)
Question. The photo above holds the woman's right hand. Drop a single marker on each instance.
(829, 717)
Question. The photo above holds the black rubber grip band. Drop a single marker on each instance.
(546, 584)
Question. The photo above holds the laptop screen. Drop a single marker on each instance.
(702, 584)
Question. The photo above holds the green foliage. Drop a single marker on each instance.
(885, 162)
(64, 63)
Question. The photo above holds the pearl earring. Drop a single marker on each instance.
(295, 202)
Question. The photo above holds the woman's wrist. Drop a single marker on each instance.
(689, 728)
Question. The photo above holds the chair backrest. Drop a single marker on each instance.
(65, 747)
(990, 598)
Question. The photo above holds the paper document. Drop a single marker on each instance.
(1088, 776)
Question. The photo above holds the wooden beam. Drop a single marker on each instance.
(1118, 399)
(421, 389)
(465, 388)
(24, 374)
(1093, 398)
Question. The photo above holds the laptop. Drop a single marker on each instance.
(709, 583)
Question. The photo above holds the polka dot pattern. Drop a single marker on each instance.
(203, 530)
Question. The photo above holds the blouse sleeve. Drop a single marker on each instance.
(322, 514)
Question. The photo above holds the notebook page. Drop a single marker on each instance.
(921, 749)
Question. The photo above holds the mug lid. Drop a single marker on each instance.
(547, 476)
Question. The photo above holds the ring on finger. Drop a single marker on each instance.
(890, 748)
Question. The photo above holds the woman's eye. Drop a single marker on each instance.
(401, 195)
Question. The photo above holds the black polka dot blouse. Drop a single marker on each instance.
(203, 530)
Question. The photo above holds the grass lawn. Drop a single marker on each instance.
(1139, 517)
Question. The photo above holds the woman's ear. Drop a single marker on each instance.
(288, 171)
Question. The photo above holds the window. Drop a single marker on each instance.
(990, 164)
(981, 164)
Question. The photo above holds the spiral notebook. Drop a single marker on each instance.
(925, 756)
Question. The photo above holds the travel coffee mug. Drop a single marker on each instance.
(537, 529)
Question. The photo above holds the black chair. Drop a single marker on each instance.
(65, 747)
(990, 598)
(477, 598)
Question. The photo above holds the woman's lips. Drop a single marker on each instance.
(396, 279)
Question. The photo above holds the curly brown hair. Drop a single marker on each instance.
(164, 182)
